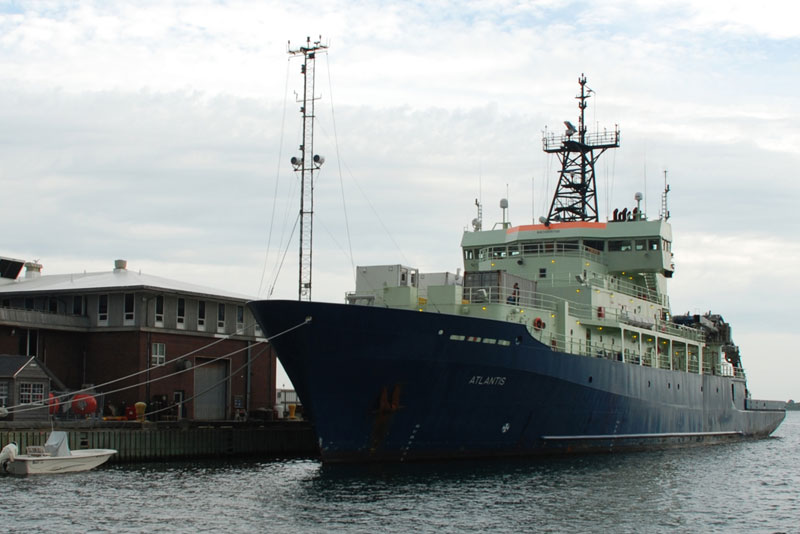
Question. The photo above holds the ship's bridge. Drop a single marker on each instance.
(538, 250)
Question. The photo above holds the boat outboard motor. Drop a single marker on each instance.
(7, 455)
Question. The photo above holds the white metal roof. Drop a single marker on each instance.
(116, 280)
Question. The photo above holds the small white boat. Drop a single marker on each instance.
(54, 457)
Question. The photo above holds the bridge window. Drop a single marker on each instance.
(619, 246)
(652, 244)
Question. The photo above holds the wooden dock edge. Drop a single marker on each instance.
(138, 442)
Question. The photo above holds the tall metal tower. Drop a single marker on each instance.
(306, 164)
(576, 195)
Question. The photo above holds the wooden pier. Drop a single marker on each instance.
(135, 441)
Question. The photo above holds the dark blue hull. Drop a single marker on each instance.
(391, 385)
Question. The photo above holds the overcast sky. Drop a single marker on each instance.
(161, 133)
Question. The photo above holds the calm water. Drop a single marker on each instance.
(745, 487)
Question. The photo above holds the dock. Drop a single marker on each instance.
(147, 441)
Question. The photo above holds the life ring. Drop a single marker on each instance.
(538, 324)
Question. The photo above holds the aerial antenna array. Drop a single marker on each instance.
(307, 163)
(576, 195)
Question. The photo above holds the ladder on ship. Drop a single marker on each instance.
(651, 283)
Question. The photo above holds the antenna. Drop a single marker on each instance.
(664, 211)
(477, 222)
(306, 164)
(575, 198)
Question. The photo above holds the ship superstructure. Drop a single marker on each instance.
(557, 338)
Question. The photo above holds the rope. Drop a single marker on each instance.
(20, 408)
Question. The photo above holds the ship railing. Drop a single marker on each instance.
(604, 282)
(552, 142)
(509, 295)
(539, 248)
(579, 310)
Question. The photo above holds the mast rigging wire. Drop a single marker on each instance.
(341, 180)
(277, 177)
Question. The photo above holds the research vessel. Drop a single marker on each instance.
(558, 338)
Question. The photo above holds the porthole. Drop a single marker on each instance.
(441, 332)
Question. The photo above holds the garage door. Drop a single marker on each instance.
(211, 390)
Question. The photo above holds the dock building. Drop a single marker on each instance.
(187, 351)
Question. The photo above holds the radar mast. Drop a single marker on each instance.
(306, 164)
(575, 198)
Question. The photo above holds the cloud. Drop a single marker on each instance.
(161, 133)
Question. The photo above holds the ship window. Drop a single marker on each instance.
(482, 254)
(595, 244)
(504, 342)
(469, 254)
(652, 244)
(454, 337)
(513, 250)
(619, 246)
(530, 248)
(498, 252)
(489, 341)
(543, 272)
(640, 244)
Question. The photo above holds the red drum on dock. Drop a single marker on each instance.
(83, 404)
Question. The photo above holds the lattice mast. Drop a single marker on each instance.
(306, 164)
(575, 198)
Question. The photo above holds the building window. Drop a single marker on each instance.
(77, 305)
(129, 308)
(102, 309)
(3, 393)
(239, 318)
(159, 355)
(160, 310)
(201, 315)
(220, 317)
(181, 313)
(31, 392)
